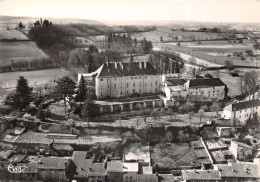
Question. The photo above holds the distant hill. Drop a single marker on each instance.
(12, 21)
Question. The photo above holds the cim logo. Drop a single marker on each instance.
(15, 169)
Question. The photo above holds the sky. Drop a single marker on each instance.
(244, 11)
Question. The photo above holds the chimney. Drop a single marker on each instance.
(115, 65)
(140, 65)
(145, 65)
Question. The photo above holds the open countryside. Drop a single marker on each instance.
(121, 101)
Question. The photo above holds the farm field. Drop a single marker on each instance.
(19, 51)
(35, 78)
(12, 35)
(202, 53)
(174, 155)
(153, 36)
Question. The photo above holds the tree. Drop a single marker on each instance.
(64, 90)
(229, 65)
(131, 58)
(169, 136)
(171, 113)
(204, 108)
(22, 96)
(21, 26)
(146, 45)
(257, 46)
(82, 90)
(249, 53)
(251, 82)
(215, 107)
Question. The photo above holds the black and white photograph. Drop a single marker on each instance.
(129, 90)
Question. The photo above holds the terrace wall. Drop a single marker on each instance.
(129, 106)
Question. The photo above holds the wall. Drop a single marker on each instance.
(128, 85)
(130, 177)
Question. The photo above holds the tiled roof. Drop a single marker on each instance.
(17, 158)
(147, 178)
(200, 175)
(212, 82)
(245, 105)
(166, 177)
(218, 156)
(197, 144)
(213, 144)
(240, 170)
(52, 163)
(5, 154)
(242, 144)
(33, 137)
(9, 138)
(30, 167)
(97, 169)
(175, 81)
(201, 153)
(66, 147)
(127, 69)
(114, 166)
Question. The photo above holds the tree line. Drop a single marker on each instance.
(36, 64)
(165, 62)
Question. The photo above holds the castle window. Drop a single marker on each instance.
(156, 83)
(115, 86)
(133, 84)
(140, 84)
(101, 79)
(127, 85)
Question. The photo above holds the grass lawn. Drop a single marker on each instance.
(174, 155)
(19, 51)
(35, 78)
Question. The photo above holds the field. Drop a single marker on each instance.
(12, 35)
(35, 78)
(205, 52)
(18, 51)
(174, 155)
(153, 36)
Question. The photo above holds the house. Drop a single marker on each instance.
(124, 79)
(200, 175)
(115, 171)
(83, 164)
(194, 89)
(241, 151)
(56, 169)
(31, 142)
(130, 170)
(239, 172)
(97, 172)
(147, 178)
(224, 131)
(165, 178)
(240, 112)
